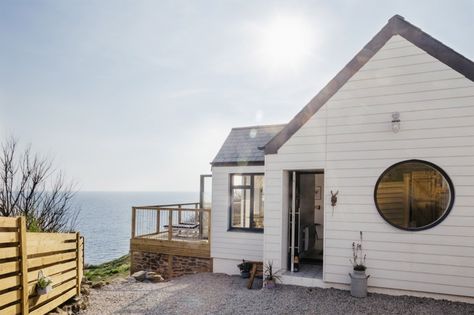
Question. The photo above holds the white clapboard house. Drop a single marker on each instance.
(392, 137)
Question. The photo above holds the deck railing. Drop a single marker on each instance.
(171, 222)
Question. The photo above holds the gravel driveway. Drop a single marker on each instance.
(207, 293)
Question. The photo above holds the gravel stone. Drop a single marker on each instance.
(208, 293)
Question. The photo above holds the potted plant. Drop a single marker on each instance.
(270, 278)
(44, 284)
(244, 268)
(358, 277)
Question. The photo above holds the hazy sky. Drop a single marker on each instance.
(139, 95)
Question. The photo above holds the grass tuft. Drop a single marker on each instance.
(108, 271)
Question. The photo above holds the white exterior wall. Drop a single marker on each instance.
(228, 248)
(436, 106)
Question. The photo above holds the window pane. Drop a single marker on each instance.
(241, 180)
(413, 195)
(258, 202)
(241, 208)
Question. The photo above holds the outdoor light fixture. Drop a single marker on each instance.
(396, 122)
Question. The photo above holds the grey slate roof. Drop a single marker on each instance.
(242, 144)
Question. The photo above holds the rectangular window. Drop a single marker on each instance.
(246, 195)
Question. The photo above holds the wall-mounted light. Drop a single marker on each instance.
(396, 122)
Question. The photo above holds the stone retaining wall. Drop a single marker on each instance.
(169, 266)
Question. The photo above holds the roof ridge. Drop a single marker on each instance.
(259, 126)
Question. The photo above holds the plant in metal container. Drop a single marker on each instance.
(269, 277)
(244, 268)
(358, 277)
(44, 284)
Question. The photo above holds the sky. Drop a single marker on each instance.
(140, 95)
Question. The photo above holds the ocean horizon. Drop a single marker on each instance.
(105, 219)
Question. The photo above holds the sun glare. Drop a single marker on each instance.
(285, 42)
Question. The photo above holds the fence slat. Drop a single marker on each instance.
(10, 297)
(57, 237)
(54, 303)
(9, 267)
(8, 237)
(23, 267)
(57, 279)
(58, 290)
(7, 283)
(9, 252)
(47, 260)
(49, 247)
(7, 222)
(12, 310)
(52, 270)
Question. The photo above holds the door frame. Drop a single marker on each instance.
(293, 183)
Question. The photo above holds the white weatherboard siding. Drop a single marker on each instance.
(228, 248)
(436, 106)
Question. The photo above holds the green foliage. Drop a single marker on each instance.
(107, 271)
(43, 282)
(33, 225)
(244, 266)
(268, 272)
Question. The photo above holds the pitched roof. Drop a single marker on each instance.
(243, 145)
(395, 26)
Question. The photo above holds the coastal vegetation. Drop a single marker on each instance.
(108, 271)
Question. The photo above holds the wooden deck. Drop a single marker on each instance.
(177, 230)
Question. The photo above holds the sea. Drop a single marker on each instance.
(105, 219)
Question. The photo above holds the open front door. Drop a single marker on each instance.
(306, 219)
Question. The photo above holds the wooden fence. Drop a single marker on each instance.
(60, 256)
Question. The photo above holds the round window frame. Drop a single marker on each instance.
(437, 221)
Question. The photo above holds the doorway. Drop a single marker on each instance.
(306, 222)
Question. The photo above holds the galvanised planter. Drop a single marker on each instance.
(359, 283)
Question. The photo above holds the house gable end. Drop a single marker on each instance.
(396, 26)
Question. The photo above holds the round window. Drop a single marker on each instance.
(414, 195)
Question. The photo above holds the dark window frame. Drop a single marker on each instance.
(437, 221)
(251, 187)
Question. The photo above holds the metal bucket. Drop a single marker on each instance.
(359, 284)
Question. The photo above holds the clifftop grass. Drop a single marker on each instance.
(108, 271)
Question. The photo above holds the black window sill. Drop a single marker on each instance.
(245, 230)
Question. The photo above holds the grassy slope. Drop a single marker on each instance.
(116, 268)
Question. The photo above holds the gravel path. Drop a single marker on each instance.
(207, 293)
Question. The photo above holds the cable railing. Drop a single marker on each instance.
(171, 222)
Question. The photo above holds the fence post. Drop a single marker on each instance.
(134, 218)
(23, 266)
(78, 264)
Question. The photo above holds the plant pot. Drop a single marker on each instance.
(245, 274)
(359, 283)
(43, 291)
(269, 284)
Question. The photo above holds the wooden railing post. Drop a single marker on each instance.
(158, 215)
(179, 215)
(78, 264)
(170, 224)
(23, 266)
(134, 218)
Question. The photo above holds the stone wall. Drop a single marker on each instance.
(160, 263)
